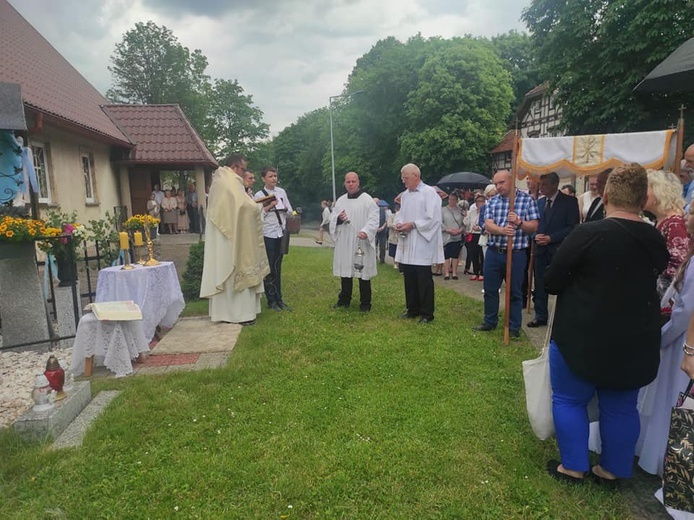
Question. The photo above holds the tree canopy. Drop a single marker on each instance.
(150, 66)
(594, 52)
(441, 103)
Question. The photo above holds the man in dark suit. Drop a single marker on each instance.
(558, 216)
(597, 208)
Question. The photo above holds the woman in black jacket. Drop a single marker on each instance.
(606, 334)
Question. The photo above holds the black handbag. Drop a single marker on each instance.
(678, 469)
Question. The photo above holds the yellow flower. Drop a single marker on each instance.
(9, 234)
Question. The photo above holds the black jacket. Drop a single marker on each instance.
(607, 319)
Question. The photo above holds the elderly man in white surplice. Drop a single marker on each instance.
(235, 259)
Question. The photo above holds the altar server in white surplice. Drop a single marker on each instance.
(420, 243)
(235, 259)
(353, 224)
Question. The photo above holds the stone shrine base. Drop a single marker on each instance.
(39, 426)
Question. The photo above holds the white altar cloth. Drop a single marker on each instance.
(113, 344)
(155, 289)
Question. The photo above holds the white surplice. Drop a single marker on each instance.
(362, 213)
(424, 244)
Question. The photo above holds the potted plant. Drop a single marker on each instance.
(17, 236)
(68, 236)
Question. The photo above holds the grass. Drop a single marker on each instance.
(320, 413)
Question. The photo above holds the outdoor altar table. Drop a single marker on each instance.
(111, 343)
(154, 289)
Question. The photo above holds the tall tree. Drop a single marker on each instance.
(150, 66)
(300, 150)
(459, 109)
(235, 124)
(518, 57)
(594, 52)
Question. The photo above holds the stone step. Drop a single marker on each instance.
(41, 426)
(73, 435)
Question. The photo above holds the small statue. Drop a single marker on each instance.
(56, 376)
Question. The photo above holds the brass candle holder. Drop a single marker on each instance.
(150, 248)
(126, 259)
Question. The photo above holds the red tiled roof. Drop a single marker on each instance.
(507, 144)
(163, 135)
(49, 83)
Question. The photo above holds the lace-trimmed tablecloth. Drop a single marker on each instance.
(155, 289)
(113, 344)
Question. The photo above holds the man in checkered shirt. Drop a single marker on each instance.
(501, 223)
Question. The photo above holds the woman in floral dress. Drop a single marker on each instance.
(666, 203)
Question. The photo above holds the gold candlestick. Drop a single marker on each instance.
(126, 258)
(140, 261)
(150, 248)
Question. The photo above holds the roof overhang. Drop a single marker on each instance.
(75, 128)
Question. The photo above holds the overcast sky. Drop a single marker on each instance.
(290, 55)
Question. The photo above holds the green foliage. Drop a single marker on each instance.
(336, 413)
(299, 152)
(234, 119)
(104, 232)
(517, 56)
(150, 66)
(459, 108)
(594, 52)
(192, 276)
(440, 103)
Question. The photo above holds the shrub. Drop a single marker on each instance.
(192, 276)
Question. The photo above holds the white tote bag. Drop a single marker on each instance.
(538, 395)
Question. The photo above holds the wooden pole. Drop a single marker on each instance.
(509, 242)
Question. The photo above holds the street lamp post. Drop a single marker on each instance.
(332, 139)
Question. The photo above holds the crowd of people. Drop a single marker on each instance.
(618, 258)
(178, 211)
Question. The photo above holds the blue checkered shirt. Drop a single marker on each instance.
(497, 209)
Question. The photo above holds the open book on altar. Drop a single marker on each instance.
(115, 311)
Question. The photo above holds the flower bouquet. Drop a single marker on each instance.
(16, 229)
(140, 222)
(69, 237)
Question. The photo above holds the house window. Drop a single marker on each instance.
(40, 152)
(88, 172)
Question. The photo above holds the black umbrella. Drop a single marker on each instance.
(463, 181)
(674, 74)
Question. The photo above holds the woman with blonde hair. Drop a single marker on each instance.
(666, 203)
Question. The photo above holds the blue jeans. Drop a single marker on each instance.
(619, 419)
(273, 281)
(494, 274)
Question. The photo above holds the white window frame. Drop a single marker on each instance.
(88, 175)
(42, 167)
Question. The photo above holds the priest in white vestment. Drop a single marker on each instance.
(353, 224)
(235, 259)
(420, 242)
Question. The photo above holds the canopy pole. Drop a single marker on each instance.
(509, 241)
(680, 141)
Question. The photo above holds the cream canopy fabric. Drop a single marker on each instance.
(591, 154)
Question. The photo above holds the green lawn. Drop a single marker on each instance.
(320, 413)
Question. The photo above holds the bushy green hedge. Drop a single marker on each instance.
(192, 276)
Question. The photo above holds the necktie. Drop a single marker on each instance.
(549, 204)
